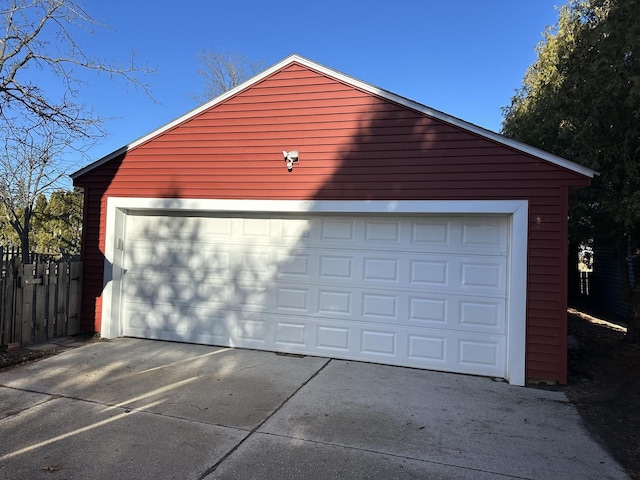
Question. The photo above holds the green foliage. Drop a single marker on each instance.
(8, 235)
(56, 224)
(61, 230)
(581, 100)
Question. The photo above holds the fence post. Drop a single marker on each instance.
(75, 294)
(4, 334)
(26, 286)
(61, 304)
(52, 288)
(9, 307)
(40, 302)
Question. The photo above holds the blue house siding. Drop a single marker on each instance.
(606, 281)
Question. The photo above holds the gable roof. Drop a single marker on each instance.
(385, 94)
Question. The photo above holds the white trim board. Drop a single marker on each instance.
(119, 207)
(562, 162)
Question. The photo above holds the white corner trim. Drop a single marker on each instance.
(518, 210)
(517, 296)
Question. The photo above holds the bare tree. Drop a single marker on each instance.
(41, 114)
(38, 43)
(223, 71)
(31, 167)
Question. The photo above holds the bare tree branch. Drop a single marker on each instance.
(223, 71)
(32, 168)
(38, 36)
(37, 122)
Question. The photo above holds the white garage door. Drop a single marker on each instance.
(420, 291)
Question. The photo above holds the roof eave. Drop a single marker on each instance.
(514, 144)
(186, 116)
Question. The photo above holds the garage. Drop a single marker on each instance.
(428, 291)
(308, 212)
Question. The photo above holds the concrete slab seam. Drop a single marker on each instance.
(214, 467)
(394, 455)
(18, 412)
(125, 408)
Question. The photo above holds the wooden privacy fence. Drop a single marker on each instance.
(39, 300)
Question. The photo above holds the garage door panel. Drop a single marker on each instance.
(427, 348)
(429, 311)
(485, 235)
(293, 300)
(476, 354)
(293, 229)
(481, 275)
(379, 344)
(332, 339)
(251, 266)
(252, 228)
(377, 269)
(252, 332)
(481, 315)
(291, 334)
(293, 266)
(218, 228)
(380, 307)
(382, 231)
(420, 291)
(339, 267)
(434, 233)
(335, 302)
(249, 299)
(434, 272)
(337, 230)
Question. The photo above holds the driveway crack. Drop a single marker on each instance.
(214, 467)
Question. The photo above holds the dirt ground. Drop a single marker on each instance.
(12, 358)
(20, 356)
(604, 383)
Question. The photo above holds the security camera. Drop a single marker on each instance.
(290, 158)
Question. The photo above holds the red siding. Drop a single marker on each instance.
(353, 145)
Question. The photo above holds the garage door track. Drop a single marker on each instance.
(132, 408)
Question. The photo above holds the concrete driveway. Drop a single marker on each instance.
(144, 409)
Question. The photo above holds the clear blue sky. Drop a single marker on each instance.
(464, 57)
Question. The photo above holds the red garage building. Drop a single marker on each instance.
(306, 211)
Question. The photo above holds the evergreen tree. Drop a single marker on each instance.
(581, 100)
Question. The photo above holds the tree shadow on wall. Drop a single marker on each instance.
(187, 277)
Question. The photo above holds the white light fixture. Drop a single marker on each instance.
(290, 158)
